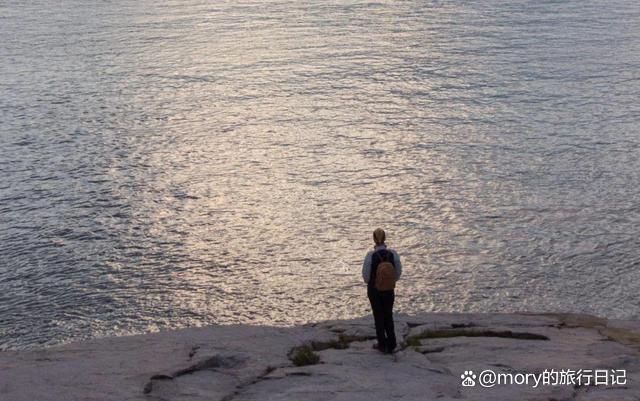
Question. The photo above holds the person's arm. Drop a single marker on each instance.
(397, 265)
(366, 268)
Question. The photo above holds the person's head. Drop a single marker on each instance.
(378, 236)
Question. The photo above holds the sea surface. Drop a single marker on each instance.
(166, 164)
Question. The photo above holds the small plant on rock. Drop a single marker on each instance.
(412, 341)
(304, 355)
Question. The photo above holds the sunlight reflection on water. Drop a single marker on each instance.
(184, 163)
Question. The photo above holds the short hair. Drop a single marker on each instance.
(379, 236)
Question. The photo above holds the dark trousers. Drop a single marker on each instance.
(382, 307)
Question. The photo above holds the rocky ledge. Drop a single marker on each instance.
(334, 360)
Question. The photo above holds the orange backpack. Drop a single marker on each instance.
(385, 274)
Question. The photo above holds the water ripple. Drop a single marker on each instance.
(181, 163)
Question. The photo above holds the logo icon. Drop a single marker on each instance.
(468, 378)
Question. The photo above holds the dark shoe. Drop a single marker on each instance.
(376, 346)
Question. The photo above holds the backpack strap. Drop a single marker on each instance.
(384, 257)
(379, 255)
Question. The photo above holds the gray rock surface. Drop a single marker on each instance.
(255, 363)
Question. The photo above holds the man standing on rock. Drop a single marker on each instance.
(380, 271)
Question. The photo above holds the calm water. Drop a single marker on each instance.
(182, 163)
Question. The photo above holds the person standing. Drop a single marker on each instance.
(378, 264)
